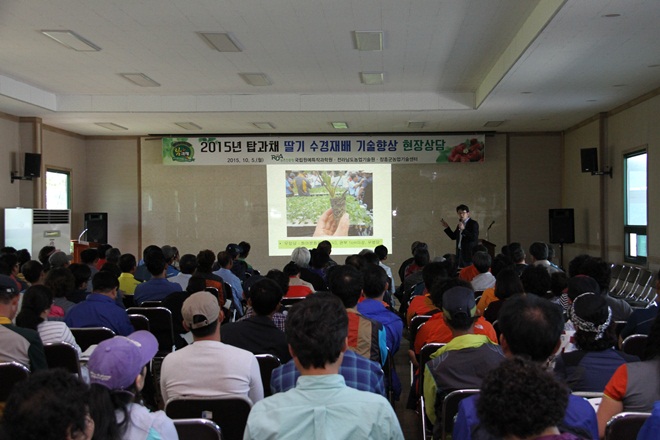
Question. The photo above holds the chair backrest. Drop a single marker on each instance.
(450, 408)
(635, 345)
(160, 325)
(267, 363)
(618, 282)
(197, 429)
(625, 425)
(139, 322)
(229, 413)
(86, 336)
(415, 323)
(10, 374)
(151, 304)
(424, 356)
(62, 355)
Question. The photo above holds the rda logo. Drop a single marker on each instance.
(183, 152)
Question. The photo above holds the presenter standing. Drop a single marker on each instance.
(466, 235)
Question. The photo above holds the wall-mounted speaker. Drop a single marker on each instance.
(96, 224)
(562, 226)
(589, 160)
(32, 165)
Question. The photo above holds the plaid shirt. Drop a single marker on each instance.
(359, 373)
(278, 318)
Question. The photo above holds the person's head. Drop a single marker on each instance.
(463, 212)
(201, 314)
(507, 284)
(245, 249)
(8, 297)
(188, 264)
(536, 280)
(432, 271)
(301, 256)
(33, 271)
(58, 259)
(102, 249)
(599, 270)
(520, 399)
(381, 251)
(127, 263)
(112, 268)
(234, 250)
(346, 282)
(265, 297)
(316, 330)
(551, 251)
(281, 278)
(60, 281)
(325, 246)
(318, 259)
(49, 405)
(592, 318)
(422, 257)
(112, 255)
(517, 253)
(441, 285)
(575, 265)
(9, 264)
(168, 253)
(558, 283)
(196, 283)
(481, 261)
(105, 283)
(580, 284)
(36, 305)
(89, 256)
(225, 260)
(23, 256)
(500, 262)
(371, 257)
(375, 281)
(459, 308)
(205, 260)
(291, 269)
(81, 273)
(156, 262)
(538, 250)
(530, 326)
(44, 253)
(356, 260)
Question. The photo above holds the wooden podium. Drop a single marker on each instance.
(488, 245)
(79, 246)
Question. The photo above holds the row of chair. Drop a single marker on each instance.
(634, 284)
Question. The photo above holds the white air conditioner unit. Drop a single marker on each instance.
(32, 229)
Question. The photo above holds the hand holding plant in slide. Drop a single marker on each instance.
(337, 203)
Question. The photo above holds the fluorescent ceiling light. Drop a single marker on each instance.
(111, 126)
(188, 125)
(256, 79)
(416, 125)
(72, 40)
(264, 125)
(340, 125)
(493, 123)
(222, 42)
(140, 79)
(372, 78)
(368, 41)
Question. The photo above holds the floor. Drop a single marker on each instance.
(410, 421)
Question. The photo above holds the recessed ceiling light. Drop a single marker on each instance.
(140, 79)
(493, 123)
(592, 100)
(72, 40)
(264, 125)
(340, 125)
(611, 15)
(416, 125)
(222, 42)
(525, 93)
(256, 79)
(372, 78)
(188, 125)
(111, 126)
(368, 41)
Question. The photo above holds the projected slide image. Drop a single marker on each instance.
(349, 203)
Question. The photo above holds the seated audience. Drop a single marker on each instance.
(158, 287)
(381, 252)
(591, 366)
(117, 372)
(297, 287)
(33, 272)
(127, 282)
(141, 272)
(205, 260)
(208, 368)
(507, 284)
(536, 281)
(90, 257)
(484, 279)
(302, 256)
(521, 400)
(81, 274)
(50, 405)
(422, 304)
(500, 262)
(321, 403)
(518, 256)
(282, 280)
(170, 254)
(539, 252)
(61, 282)
(225, 262)
(187, 266)
(601, 271)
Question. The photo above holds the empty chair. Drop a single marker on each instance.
(62, 355)
(635, 345)
(618, 282)
(85, 337)
(139, 322)
(629, 283)
(267, 363)
(160, 325)
(197, 429)
(625, 425)
(10, 374)
(229, 413)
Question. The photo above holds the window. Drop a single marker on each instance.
(58, 189)
(634, 225)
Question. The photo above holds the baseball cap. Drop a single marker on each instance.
(580, 284)
(7, 285)
(234, 249)
(59, 259)
(202, 304)
(116, 362)
(458, 300)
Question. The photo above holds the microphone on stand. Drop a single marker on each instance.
(81, 234)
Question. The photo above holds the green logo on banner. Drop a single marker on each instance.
(183, 152)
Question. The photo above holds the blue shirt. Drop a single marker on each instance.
(359, 373)
(99, 311)
(579, 414)
(236, 287)
(393, 324)
(651, 427)
(323, 407)
(156, 289)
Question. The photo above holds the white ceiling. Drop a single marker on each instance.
(537, 65)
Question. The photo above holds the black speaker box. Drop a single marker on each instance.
(96, 224)
(32, 165)
(589, 160)
(562, 226)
